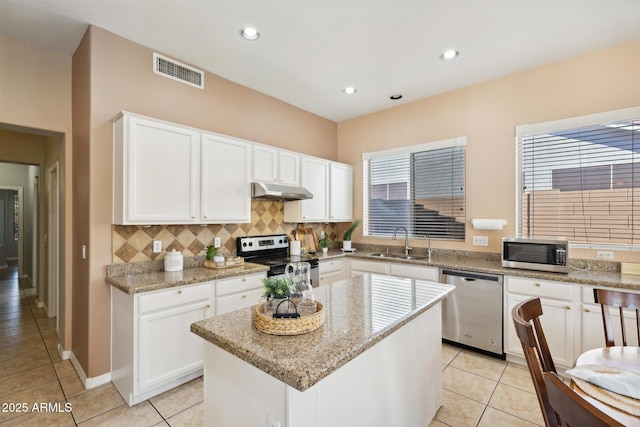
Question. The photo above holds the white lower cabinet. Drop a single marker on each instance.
(238, 292)
(153, 349)
(558, 319)
(359, 267)
(331, 271)
(415, 272)
(593, 328)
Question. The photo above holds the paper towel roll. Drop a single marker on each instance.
(294, 247)
(488, 224)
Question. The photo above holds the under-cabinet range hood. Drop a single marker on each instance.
(273, 191)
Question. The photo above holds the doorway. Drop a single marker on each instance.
(53, 243)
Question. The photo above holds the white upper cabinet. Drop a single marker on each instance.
(155, 174)
(331, 184)
(340, 192)
(274, 165)
(225, 181)
(314, 176)
(170, 174)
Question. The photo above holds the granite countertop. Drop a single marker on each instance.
(154, 280)
(352, 324)
(593, 277)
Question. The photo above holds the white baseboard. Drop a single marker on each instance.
(64, 354)
(30, 292)
(89, 382)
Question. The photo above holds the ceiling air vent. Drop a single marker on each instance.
(175, 70)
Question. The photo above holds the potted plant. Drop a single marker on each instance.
(212, 251)
(276, 290)
(346, 236)
(324, 243)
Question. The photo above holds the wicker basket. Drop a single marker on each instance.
(283, 326)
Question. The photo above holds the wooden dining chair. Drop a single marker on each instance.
(571, 409)
(620, 300)
(526, 319)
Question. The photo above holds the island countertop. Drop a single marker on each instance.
(359, 312)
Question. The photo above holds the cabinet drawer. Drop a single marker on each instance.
(330, 266)
(239, 284)
(229, 303)
(539, 288)
(172, 297)
(587, 293)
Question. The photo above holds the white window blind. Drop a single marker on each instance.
(421, 188)
(582, 182)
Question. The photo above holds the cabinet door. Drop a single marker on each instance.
(225, 178)
(340, 192)
(289, 168)
(265, 163)
(314, 176)
(166, 347)
(557, 324)
(158, 163)
(359, 267)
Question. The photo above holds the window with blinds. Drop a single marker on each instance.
(421, 188)
(580, 179)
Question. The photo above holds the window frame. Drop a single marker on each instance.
(560, 125)
(460, 141)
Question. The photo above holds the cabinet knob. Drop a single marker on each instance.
(206, 216)
(244, 279)
(568, 307)
(193, 216)
(586, 310)
(179, 291)
(208, 305)
(244, 296)
(536, 284)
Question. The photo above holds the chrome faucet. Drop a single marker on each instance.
(406, 239)
(428, 237)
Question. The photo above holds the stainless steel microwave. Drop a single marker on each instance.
(536, 254)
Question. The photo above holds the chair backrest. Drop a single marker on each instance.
(620, 300)
(571, 409)
(536, 351)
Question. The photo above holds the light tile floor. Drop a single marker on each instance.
(478, 390)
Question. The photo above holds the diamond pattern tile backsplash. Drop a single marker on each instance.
(134, 243)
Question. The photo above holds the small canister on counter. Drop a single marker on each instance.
(173, 261)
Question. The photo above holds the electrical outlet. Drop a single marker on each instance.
(480, 241)
(604, 254)
(157, 246)
(216, 242)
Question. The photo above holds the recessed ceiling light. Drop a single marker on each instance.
(395, 97)
(450, 54)
(250, 33)
(349, 90)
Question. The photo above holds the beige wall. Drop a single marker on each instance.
(487, 115)
(35, 88)
(113, 74)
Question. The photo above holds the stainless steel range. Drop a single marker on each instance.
(273, 251)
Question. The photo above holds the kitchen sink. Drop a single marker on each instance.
(399, 256)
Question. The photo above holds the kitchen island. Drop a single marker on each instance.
(375, 361)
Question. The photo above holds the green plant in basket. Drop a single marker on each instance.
(276, 287)
(211, 252)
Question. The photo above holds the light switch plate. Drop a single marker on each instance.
(157, 246)
(216, 242)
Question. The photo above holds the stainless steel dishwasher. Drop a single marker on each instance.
(472, 314)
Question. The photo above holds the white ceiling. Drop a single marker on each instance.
(309, 50)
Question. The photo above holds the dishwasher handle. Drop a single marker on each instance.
(472, 275)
